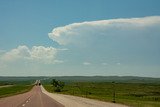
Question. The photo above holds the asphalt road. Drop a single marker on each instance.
(34, 98)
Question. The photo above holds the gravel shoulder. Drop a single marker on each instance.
(74, 101)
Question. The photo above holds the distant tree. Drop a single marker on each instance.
(58, 85)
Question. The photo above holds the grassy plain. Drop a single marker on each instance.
(132, 91)
(13, 90)
(12, 86)
(132, 94)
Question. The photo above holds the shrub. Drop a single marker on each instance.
(58, 85)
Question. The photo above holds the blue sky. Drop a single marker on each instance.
(85, 37)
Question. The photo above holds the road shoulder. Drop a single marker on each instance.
(74, 101)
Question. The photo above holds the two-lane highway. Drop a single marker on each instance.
(34, 98)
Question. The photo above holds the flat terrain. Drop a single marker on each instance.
(33, 98)
(131, 94)
(74, 101)
(39, 97)
(5, 86)
(9, 90)
(131, 91)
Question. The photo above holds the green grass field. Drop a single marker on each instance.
(13, 90)
(132, 94)
(12, 86)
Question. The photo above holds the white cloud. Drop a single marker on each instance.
(118, 63)
(74, 33)
(131, 40)
(44, 54)
(104, 64)
(86, 63)
(36, 53)
(17, 53)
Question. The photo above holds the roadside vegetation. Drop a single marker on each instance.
(14, 87)
(13, 90)
(132, 91)
(57, 85)
(132, 94)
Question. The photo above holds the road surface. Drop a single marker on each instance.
(33, 98)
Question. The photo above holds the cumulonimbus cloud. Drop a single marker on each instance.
(73, 32)
(36, 53)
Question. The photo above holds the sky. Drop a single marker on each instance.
(80, 38)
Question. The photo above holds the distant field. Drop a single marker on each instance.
(133, 91)
(132, 94)
(9, 87)
(2, 86)
(13, 90)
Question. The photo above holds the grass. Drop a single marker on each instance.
(10, 82)
(132, 94)
(13, 90)
(14, 87)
